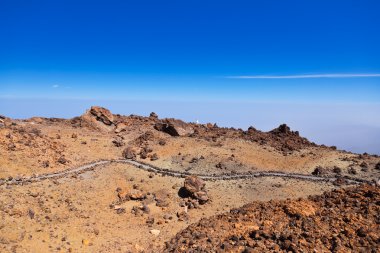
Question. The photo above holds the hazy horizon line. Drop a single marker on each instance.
(304, 76)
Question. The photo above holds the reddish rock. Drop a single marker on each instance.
(162, 198)
(194, 184)
(102, 114)
(344, 220)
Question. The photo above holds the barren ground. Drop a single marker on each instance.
(83, 212)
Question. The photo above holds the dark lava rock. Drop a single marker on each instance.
(62, 160)
(319, 171)
(352, 171)
(337, 170)
(174, 127)
(153, 115)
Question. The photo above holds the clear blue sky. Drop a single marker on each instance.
(227, 52)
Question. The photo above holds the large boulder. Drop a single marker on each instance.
(97, 118)
(195, 186)
(102, 114)
(174, 127)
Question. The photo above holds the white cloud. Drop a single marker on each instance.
(55, 86)
(304, 76)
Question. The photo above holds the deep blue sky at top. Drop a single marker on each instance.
(185, 49)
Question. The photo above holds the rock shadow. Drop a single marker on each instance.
(183, 193)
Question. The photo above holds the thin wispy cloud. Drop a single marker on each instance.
(55, 86)
(305, 76)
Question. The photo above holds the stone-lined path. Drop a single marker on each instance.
(172, 173)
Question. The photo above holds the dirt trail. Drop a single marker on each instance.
(167, 172)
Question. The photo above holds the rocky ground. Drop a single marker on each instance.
(122, 208)
(344, 220)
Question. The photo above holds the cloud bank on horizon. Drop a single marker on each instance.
(305, 76)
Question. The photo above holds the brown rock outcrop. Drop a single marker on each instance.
(174, 127)
(102, 114)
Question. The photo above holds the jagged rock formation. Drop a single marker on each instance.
(281, 138)
(174, 127)
(102, 114)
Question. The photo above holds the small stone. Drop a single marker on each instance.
(118, 141)
(154, 157)
(62, 160)
(150, 221)
(337, 170)
(129, 153)
(155, 232)
(182, 216)
(31, 213)
(145, 209)
(120, 210)
(352, 171)
(45, 164)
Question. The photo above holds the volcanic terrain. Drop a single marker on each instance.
(104, 182)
